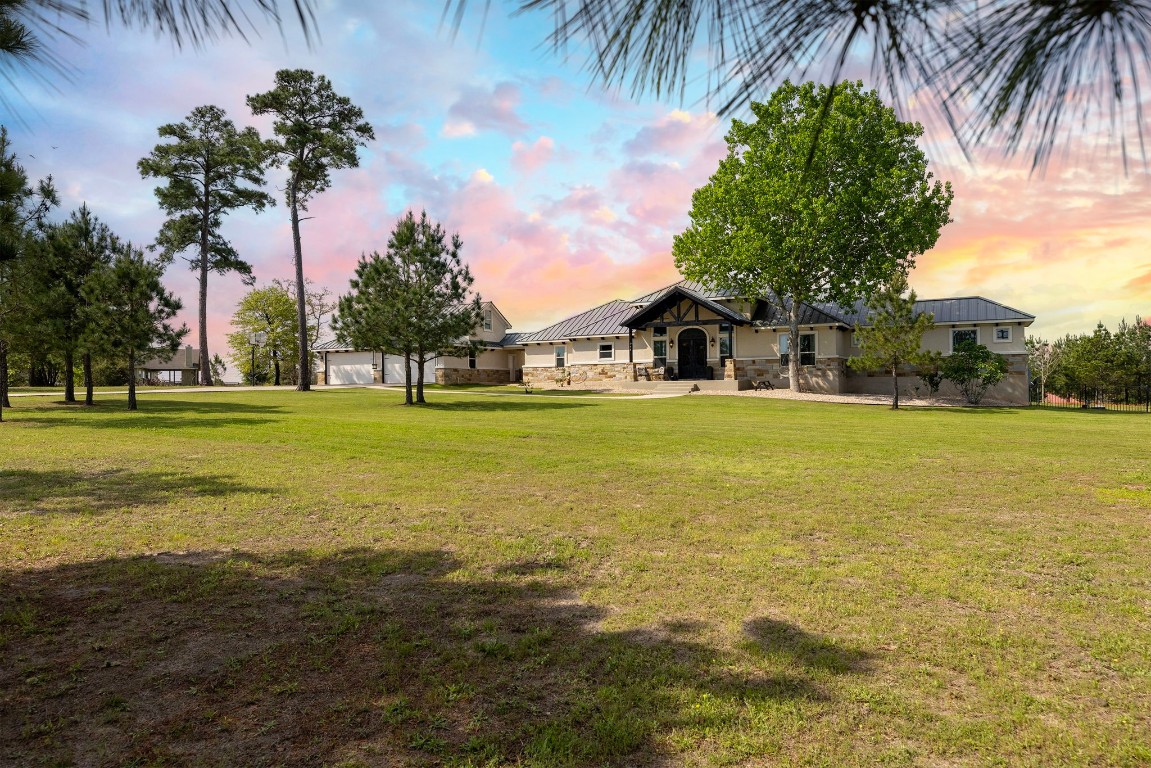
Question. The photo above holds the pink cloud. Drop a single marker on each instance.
(529, 158)
(677, 133)
(480, 109)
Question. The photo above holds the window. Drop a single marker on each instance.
(561, 356)
(658, 331)
(659, 353)
(959, 336)
(471, 359)
(607, 351)
(855, 340)
(724, 341)
(806, 349)
(1003, 334)
(487, 321)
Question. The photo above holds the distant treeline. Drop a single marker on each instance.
(1115, 365)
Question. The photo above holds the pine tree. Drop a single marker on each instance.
(130, 312)
(317, 131)
(208, 168)
(415, 301)
(894, 334)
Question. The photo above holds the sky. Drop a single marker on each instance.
(565, 194)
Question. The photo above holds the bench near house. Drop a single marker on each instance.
(722, 342)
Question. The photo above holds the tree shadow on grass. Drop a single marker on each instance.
(369, 657)
(152, 414)
(502, 403)
(109, 490)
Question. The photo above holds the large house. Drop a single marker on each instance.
(721, 341)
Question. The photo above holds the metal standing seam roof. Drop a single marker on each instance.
(603, 320)
(332, 345)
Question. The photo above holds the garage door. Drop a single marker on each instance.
(350, 368)
(394, 370)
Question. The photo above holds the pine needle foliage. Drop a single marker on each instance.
(893, 337)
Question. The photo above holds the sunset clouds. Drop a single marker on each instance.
(565, 196)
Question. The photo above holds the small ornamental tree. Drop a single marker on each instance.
(130, 312)
(211, 169)
(415, 300)
(317, 131)
(1042, 358)
(974, 369)
(821, 199)
(895, 332)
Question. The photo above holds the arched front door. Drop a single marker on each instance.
(692, 354)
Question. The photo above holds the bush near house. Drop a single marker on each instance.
(974, 369)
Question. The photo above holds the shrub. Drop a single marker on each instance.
(974, 369)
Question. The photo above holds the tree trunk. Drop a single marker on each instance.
(895, 387)
(276, 365)
(420, 376)
(793, 345)
(205, 361)
(407, 378)
(305, 379)
(88, 383)
(131, 381)
(3, 378)
(69, 376)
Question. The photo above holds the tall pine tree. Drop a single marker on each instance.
(211, 169)
(317, 131)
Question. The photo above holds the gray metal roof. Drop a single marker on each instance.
(603, 320)
(511, 339)
(332, 346)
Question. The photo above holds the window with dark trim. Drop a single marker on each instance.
(659, 353)
(806, 349)
(471, 359)
(960, 335)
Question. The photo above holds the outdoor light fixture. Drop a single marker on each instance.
(671, 344)
(712, 341)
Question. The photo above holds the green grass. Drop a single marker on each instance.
(330, 578)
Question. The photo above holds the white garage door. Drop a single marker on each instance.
(350, 368)
(394, 370)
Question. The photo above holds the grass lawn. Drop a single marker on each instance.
(279, 578)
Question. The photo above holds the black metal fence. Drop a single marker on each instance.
(1133, 396)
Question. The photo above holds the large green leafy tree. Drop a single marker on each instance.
(416, 300)
(317, 131)
(23, 207)
(813, 207)
(894, 335)
(271, 310)
(211, 169)
(131, 312)
(71, 255)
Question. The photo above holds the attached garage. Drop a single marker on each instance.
(394, 370)
(350, 368)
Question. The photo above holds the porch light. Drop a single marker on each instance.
(712, 341)
(671, 343)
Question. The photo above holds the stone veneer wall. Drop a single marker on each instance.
(473, 376)
(588, 373)
(826, 376)
(1013, 388)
